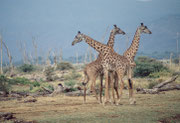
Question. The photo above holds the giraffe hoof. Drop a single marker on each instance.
(105, 102)
(118, 101)
(132, 101)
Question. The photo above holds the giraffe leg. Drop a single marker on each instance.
(131, 94)
(84, 83)
(130, 84)
(112, 87)
(116, 85)
(84, 93)
(109, 85)
(106, 97)
(101, 87)
(93, 87)
(121, 89)
(120, 76)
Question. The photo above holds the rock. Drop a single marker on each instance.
(6, 115)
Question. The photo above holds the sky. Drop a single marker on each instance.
(54, 23)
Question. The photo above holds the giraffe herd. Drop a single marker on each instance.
(111, 65)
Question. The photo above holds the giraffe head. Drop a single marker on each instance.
(144, 29)
(78, 38)
(117, 30)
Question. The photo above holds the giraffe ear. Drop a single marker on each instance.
(115, 25)
(79, 32)
(142, 24)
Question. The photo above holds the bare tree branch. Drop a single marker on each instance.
(1, 72)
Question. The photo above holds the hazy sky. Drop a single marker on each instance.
(54, 23)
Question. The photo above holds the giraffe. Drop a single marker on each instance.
(111, 61)
(130, 54)
(94, 69)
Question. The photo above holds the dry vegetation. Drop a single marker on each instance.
(149, 108)
(39, 82)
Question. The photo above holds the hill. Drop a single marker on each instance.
(164, 35)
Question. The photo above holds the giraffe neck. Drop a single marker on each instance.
(99, 47)
(111, 40)
(130, 53)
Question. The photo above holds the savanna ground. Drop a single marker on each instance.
(149, 108)
(64, 109)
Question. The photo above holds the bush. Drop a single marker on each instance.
(50, 87)
(71, 80)
(158, 74)
(23, 81)
(20, 80)
(64, 66)
(4, 84)
(73, 75)
(26, 68)
(147, 66)
(35, 84)
(49, 72)
(40, 89)
(152, 84)
(71, 84)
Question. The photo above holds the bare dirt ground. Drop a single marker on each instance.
(64, 109)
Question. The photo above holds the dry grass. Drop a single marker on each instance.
(149, 108)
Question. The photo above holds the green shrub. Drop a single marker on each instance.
(31, 88)
(24, 81)
(64, 66)
(152, 84)
(147, 66)
(26, 68)
(176, 73)
(40, 89)
(73, 75)
(50, 87)
(4, 84)
(36, 89)
(36, 84)
(71, 84)
(49, 72)
(158, 74)
(20, 80)
(47, 85)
